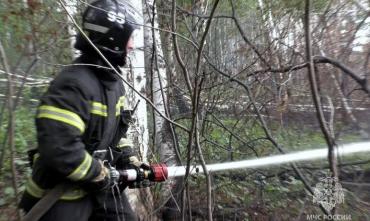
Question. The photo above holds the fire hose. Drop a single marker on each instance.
(161, 172)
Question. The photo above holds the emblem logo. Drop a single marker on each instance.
(328, 192)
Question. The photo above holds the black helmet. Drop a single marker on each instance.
(109, 24)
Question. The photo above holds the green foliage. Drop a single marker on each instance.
(25, 138)
(9, 192)
(30, 28)
(25, 130)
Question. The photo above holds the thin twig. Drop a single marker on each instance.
(244, 36)
(315, 93)
(265, 128)
(14, 106)
(11, 141)
(177, 51)
(195, 112)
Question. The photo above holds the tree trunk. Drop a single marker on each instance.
(140, 199)
(164, 137)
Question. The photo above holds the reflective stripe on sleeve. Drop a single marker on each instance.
(120, 103)
(33, 189)
(81, 171)
(124, 142)
(99, 109)
(35, 157)
(65, 116)
(70, 194)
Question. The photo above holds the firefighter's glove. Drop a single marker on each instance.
(107, 178)
(142, 180)
(141, 170)
(136, 163)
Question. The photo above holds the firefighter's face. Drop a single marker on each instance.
(130, 45)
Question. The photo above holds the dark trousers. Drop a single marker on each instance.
(103, 206)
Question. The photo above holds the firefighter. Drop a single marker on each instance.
(82, 122)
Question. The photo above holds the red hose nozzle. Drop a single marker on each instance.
(159, 172)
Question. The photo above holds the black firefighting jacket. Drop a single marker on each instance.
(71, 122)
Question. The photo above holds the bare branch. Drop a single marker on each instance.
(316, 96)
(11, 128)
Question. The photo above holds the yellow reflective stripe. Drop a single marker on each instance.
(81, 171)
(73, 194)
(33, 189)
(35, 157)
(70, 194)
(65, 116)
(102, 109)
(99, 109)
(120, 103)
(124, 142)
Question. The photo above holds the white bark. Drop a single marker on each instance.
(155, 61)
(164, 134)
(135, 74)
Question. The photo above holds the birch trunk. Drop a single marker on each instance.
(140, 199)
(164, 134)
